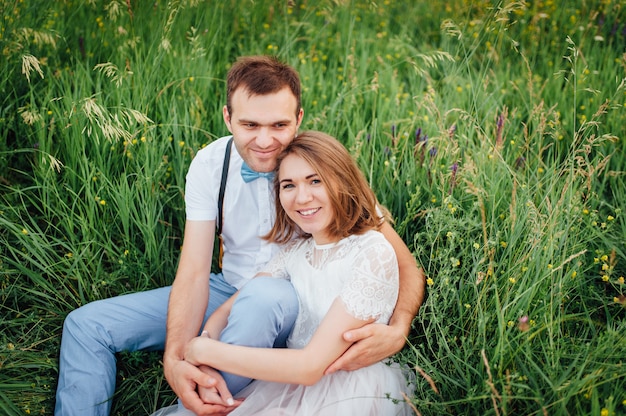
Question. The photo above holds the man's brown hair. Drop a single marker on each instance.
(353, 202)
(261, 75)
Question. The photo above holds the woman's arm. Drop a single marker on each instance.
(298, 366)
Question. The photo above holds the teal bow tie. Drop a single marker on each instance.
(249, 175)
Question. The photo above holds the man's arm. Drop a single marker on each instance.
(375, 342)
(187, 305)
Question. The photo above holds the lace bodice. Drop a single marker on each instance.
(361, 270)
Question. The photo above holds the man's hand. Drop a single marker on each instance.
(185, 378)
(371, 343)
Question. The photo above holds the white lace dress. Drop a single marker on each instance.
(363, 271)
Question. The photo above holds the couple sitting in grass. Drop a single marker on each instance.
(343, 291)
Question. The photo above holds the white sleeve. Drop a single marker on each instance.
(372, 290)
(203, 182)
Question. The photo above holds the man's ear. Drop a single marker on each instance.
(299, 118)
(227, 120)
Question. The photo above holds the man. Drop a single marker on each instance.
(263, 112)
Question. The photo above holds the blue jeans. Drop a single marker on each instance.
(262, 316)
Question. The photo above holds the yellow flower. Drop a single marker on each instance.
(181, 143)
(510, 324)
(430, 282)
(604, 412)
(503, 244)
(605, 267)
(605, 278)
(604, 258)
(512, 280)
(574, 274)
(610, 218)
(620, 280)
(24, 231)
(103, 202)
(191, 79)
(476, 246)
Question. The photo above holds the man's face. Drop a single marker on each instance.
(262, 125)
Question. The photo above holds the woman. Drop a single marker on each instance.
(346, 275)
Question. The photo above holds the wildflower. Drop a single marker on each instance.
(503, 244)
(620, 280)
(430, 282)
(467, 306)
(510, 324)
(24, 231)
(610, 218)
(605, 278)
(69, 255)
(605, 267)
(191, 79)
(522, 323)
(604, 411)
(585, 211)
(524, 268)
(181, 143)
(574, 274)
(449, 234)
(455, 262)
(454, 168)
(604, 258)
(476, 246)
(512, 280)
(103, 202)
(550, 266)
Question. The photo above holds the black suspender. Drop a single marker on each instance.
(220, 201)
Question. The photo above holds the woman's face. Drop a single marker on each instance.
(305, 198)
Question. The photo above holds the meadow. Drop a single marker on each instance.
(492, 130)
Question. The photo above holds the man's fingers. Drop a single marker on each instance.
(356, 335)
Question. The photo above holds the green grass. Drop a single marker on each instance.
(493, 131)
